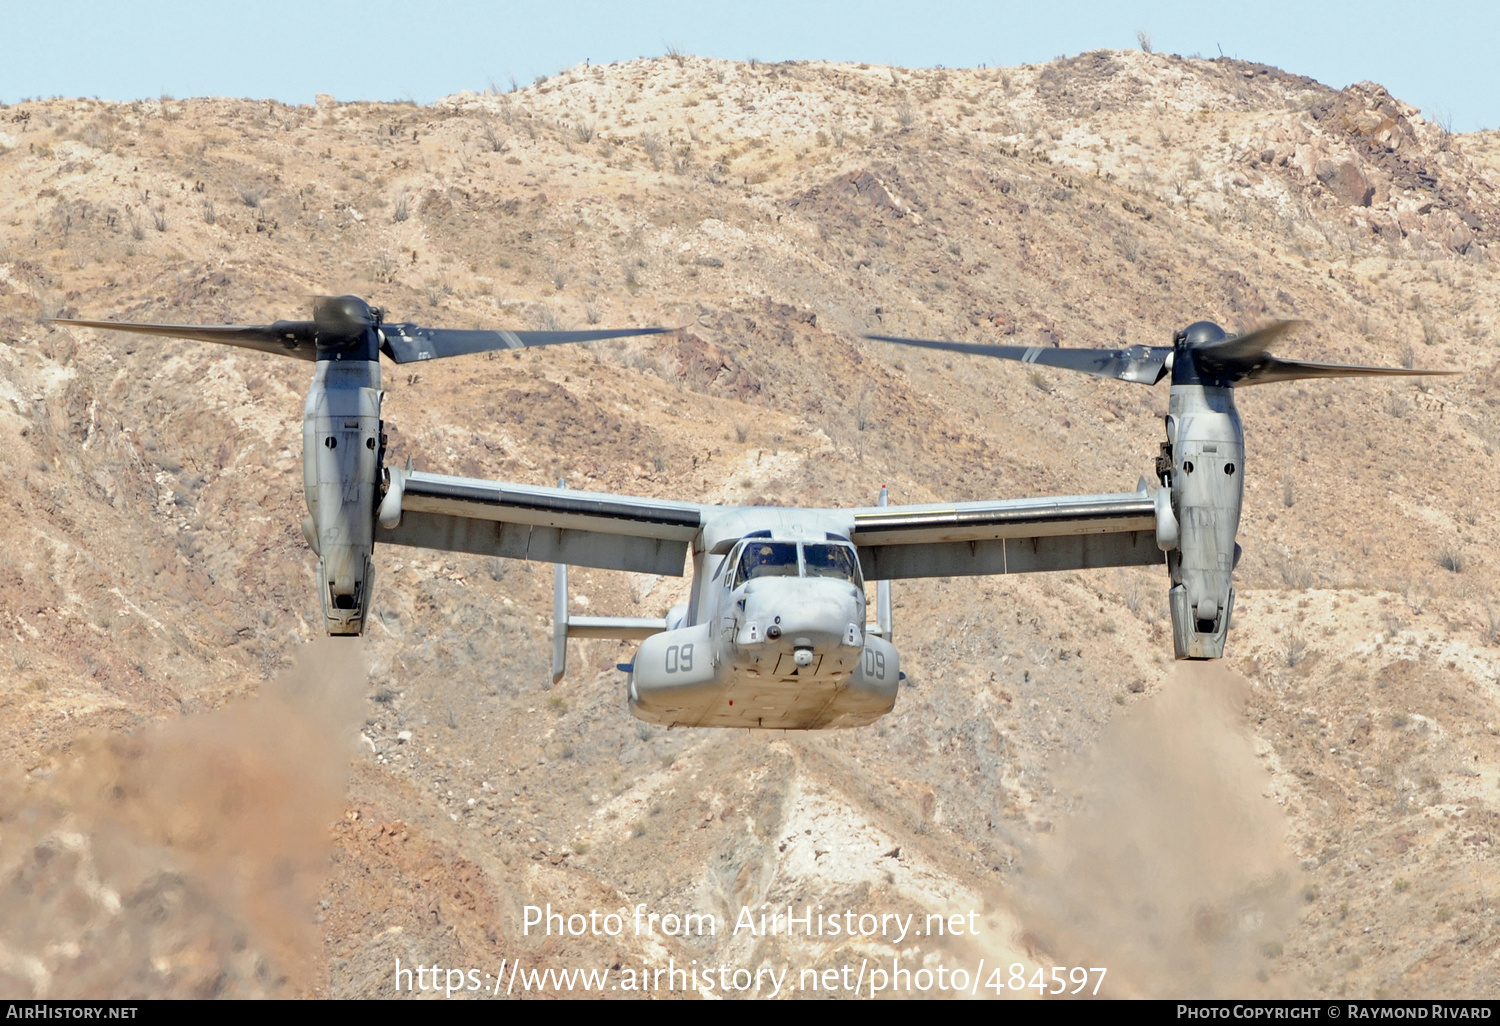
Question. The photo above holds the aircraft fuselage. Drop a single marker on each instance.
(776, 639)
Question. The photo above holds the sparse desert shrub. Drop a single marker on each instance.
(383, 267)
(1452, 559)
(1295, 649)
(493, 139)
(438, 290)
(252, 195)
(651, 143)
(401, 211)
(97, 136)
(209, 216)
(1293, 572)
(1442, 117)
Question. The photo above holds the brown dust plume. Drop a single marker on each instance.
(184, 860)
(1172, 871)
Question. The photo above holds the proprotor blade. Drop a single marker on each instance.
(1144, 364)
(1246, 360)
(285, 338)
(406, 343)
(1270, 369)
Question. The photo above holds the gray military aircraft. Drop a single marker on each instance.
(775, 632)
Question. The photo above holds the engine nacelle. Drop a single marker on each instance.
(340, 470)
(1205, 472)
(672, 678)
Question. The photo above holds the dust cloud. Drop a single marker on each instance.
(1172, 871)
(184, 860)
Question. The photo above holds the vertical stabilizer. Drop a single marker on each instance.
(883, 588)
(559, 616)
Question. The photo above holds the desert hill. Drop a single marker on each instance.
(1314, 817)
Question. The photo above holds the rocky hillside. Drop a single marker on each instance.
(1315, 816)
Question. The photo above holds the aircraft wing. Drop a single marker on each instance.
(1074, 532)
(553, 525)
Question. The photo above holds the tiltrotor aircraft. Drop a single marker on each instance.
(775, 633)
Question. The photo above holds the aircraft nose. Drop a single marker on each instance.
(805, 613)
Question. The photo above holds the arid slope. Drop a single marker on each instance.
(155, 568)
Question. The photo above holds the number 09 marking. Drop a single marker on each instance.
(679, 657)
(874, 664)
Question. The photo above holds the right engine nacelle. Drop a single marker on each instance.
(1205, 472)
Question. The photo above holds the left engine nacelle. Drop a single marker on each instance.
(340, 471)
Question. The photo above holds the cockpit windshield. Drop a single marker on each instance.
(829, 561)
(766, 559)
(781, 559)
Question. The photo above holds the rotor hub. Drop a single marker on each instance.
(1202, 333)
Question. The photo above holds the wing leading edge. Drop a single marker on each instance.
(552, 525)
(1076, 532)
(623, 532)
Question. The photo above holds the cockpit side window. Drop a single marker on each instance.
(766, 559)
(726, 569)
(830, 561)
